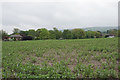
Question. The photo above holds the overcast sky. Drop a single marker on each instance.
(63, 14)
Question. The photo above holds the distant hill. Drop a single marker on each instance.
(102, 29)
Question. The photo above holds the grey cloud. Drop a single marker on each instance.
(82, 13)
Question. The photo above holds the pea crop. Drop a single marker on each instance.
(74, 58)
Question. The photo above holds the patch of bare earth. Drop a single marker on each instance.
(71, 67)
(39, 60)
(57, 56)
(60, 55)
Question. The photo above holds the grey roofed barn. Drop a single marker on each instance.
(16, 36)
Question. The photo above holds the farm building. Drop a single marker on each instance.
(5, 38)
(109, 36)
(16, 37)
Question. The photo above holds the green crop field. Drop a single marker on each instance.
(75, 58)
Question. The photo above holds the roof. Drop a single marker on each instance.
(18, 36)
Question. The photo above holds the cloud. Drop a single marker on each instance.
(60, 14)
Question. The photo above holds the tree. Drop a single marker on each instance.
(44, 34)
(98, 34)
(93, 34)
(32, 33)
(4, 34)
(24, 33)
(78, 33)
(67, 34)
(88, 34)
(38, 33)
(58, 33)
(16, 31)
(112, 32)
(52, 34)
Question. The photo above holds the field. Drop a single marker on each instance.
(77, 58)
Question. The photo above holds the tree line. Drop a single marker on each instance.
(43, 33)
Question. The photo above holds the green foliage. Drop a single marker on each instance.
(44, 34)
(32, 33)
(78, 58)
(105, 73)
(112, 32)
(3, 34)
(84, 70)
(24, 33)
(16, 31)
(78, 33)
(93, 34)
(98, 34)
(58, 33)
(52, 34)
(38, 31)
(67, 34)
(89, 34)
(33, 59)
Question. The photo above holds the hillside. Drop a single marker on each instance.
(102, 29)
